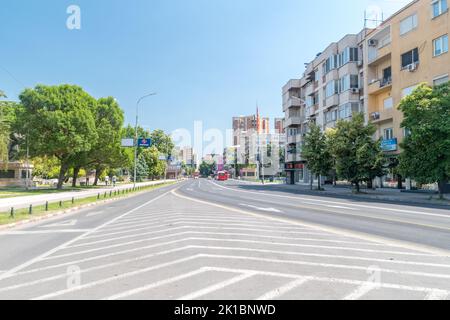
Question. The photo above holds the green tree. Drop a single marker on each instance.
(142, 169)
(45, 167)
(426, 151)
(358, 156)
(156, 167)
(316, 153)
(207, 169)
(107, 152)
(60, 122)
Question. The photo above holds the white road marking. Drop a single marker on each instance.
(339, 203)
(283, 290)
(155, 285)
(328, 265)
(217, 286)
(361, 291)
(213, 228)
(98, 267)
(324, 279)
(431, 251)
(55, 249)
(340, 207)
(437, 295)
(115, 278)
(66, 223)
(96, 213)
(319, 255)
(261, 209)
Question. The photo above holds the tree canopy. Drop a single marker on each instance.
(59, 121)
(426, 150)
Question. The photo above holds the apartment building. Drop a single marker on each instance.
(279, 125)
(407, 49)
(331, 89)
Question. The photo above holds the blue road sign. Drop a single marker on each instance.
(144, 143)
(389, 145)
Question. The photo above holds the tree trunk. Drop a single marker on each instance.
(370, 184)
(357, 187)
(76, 171)
(319, 187)
(441, 185)
(62, 175)
(98, 173)
(399, 182)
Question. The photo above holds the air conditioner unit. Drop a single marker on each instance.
(360, 63)
(412, 67)
(355, 90)
(375, 116)
(373, 43)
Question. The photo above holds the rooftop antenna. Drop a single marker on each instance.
(375, 16)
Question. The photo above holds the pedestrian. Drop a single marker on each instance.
(114, 180)
(107, 180)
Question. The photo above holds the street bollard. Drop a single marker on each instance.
(73, 200)
(30, 210)
(98, 196)
(12, 212)
(104, 196)
(110, 194)
(60, 204)
(46, 206)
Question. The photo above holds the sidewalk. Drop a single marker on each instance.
(26, 201)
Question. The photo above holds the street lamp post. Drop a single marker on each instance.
(136, 134)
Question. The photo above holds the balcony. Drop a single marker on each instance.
(294, 157)
(293, 102)
(379, 55)
(292, 84)
(331, 101)
(295, 139)
(381, 116)
(294, 121)
(380, 85)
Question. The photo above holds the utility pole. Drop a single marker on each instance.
(136, 135)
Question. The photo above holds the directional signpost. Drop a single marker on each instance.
(144, 143)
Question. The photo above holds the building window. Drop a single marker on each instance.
(347, 110)
(408, 24)
(9, 174)
(408, 91)
(388, 134)
(332, 88)
(331, 116)
(410, 58)
(388, 103)
(349, 82)
(440, 45)
(439, 7)
(440, 80)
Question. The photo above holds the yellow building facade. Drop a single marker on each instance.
(409, 48)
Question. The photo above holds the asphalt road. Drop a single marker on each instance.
(207, 240)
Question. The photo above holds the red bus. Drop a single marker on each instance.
(222, 176)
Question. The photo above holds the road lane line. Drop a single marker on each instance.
(214, 228)
(331, 230)
(217, 286)
(111, 279)
(337, 202)
(437, 294)
(328, 280)
(327, 265)
(52, 257)
(271, 295)
(319, 255)
(85, 244)
(99, 267)
(55, 249)
(361, 291)
(108, 255)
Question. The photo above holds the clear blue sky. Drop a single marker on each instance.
(207, 59)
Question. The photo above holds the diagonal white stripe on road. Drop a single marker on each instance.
(283, 290)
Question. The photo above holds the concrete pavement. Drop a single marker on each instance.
(26, 201)
(181, 242)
